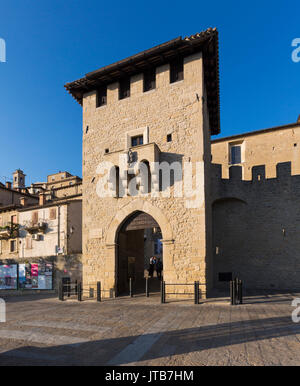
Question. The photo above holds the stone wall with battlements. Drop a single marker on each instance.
(263, 147)
(256, 227)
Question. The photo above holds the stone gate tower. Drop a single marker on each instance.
(158, 106)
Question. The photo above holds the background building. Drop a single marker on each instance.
(40, 232)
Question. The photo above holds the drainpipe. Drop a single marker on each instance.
(58, 227)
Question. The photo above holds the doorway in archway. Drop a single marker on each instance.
(139, 238)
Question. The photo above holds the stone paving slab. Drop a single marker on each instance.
(141, 331)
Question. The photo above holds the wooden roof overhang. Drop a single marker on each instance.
(206, 42)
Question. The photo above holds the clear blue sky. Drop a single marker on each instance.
(51, 42)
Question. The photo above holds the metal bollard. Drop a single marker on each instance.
(130, 288)
(91, 292)
(79, 292)
(236, 291)
(232, 293)
(163, 291)
(60, 291)
(196, 292)
(240, 292)
(147, 287)
(98, 291)
(68, 283)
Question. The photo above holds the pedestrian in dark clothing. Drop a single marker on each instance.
(151, 266)
(159, 268)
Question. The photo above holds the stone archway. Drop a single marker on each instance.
(128, 210)
(121, 217)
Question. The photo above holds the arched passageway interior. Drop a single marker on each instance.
(139, 238)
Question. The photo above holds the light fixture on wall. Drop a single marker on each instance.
(157, 232)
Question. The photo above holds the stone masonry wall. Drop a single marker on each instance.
(267, 147)
(176, 109)
(256, 227)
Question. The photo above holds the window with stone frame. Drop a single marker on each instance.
(137, 140)
(235, 154)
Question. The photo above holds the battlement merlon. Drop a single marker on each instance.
(283, 171)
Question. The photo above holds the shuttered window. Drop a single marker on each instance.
(28, 243)
(235, 155)
(35, 217)
(52, 214)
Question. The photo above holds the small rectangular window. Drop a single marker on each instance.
(235, 155)
(13, 245)
(124, 88)
(169, 138)
(101, 96)
(150, 80)
(136, 141)
(225, 276)
(176, 70)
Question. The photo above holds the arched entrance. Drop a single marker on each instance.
(139, 238)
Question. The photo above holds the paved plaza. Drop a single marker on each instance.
(40, 330)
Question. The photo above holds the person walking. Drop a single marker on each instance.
(159, 268)
(151, 266)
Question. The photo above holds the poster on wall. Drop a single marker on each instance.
(45, 276)
(28, 276)
(22, 276)
(31, 276)
(35, 276)
(8, 277)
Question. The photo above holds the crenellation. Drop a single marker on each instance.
(235, 173)
(258, 173)
(283, 170)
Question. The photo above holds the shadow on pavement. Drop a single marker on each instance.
(100, 352)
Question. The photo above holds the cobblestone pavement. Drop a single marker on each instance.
(140, 331)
